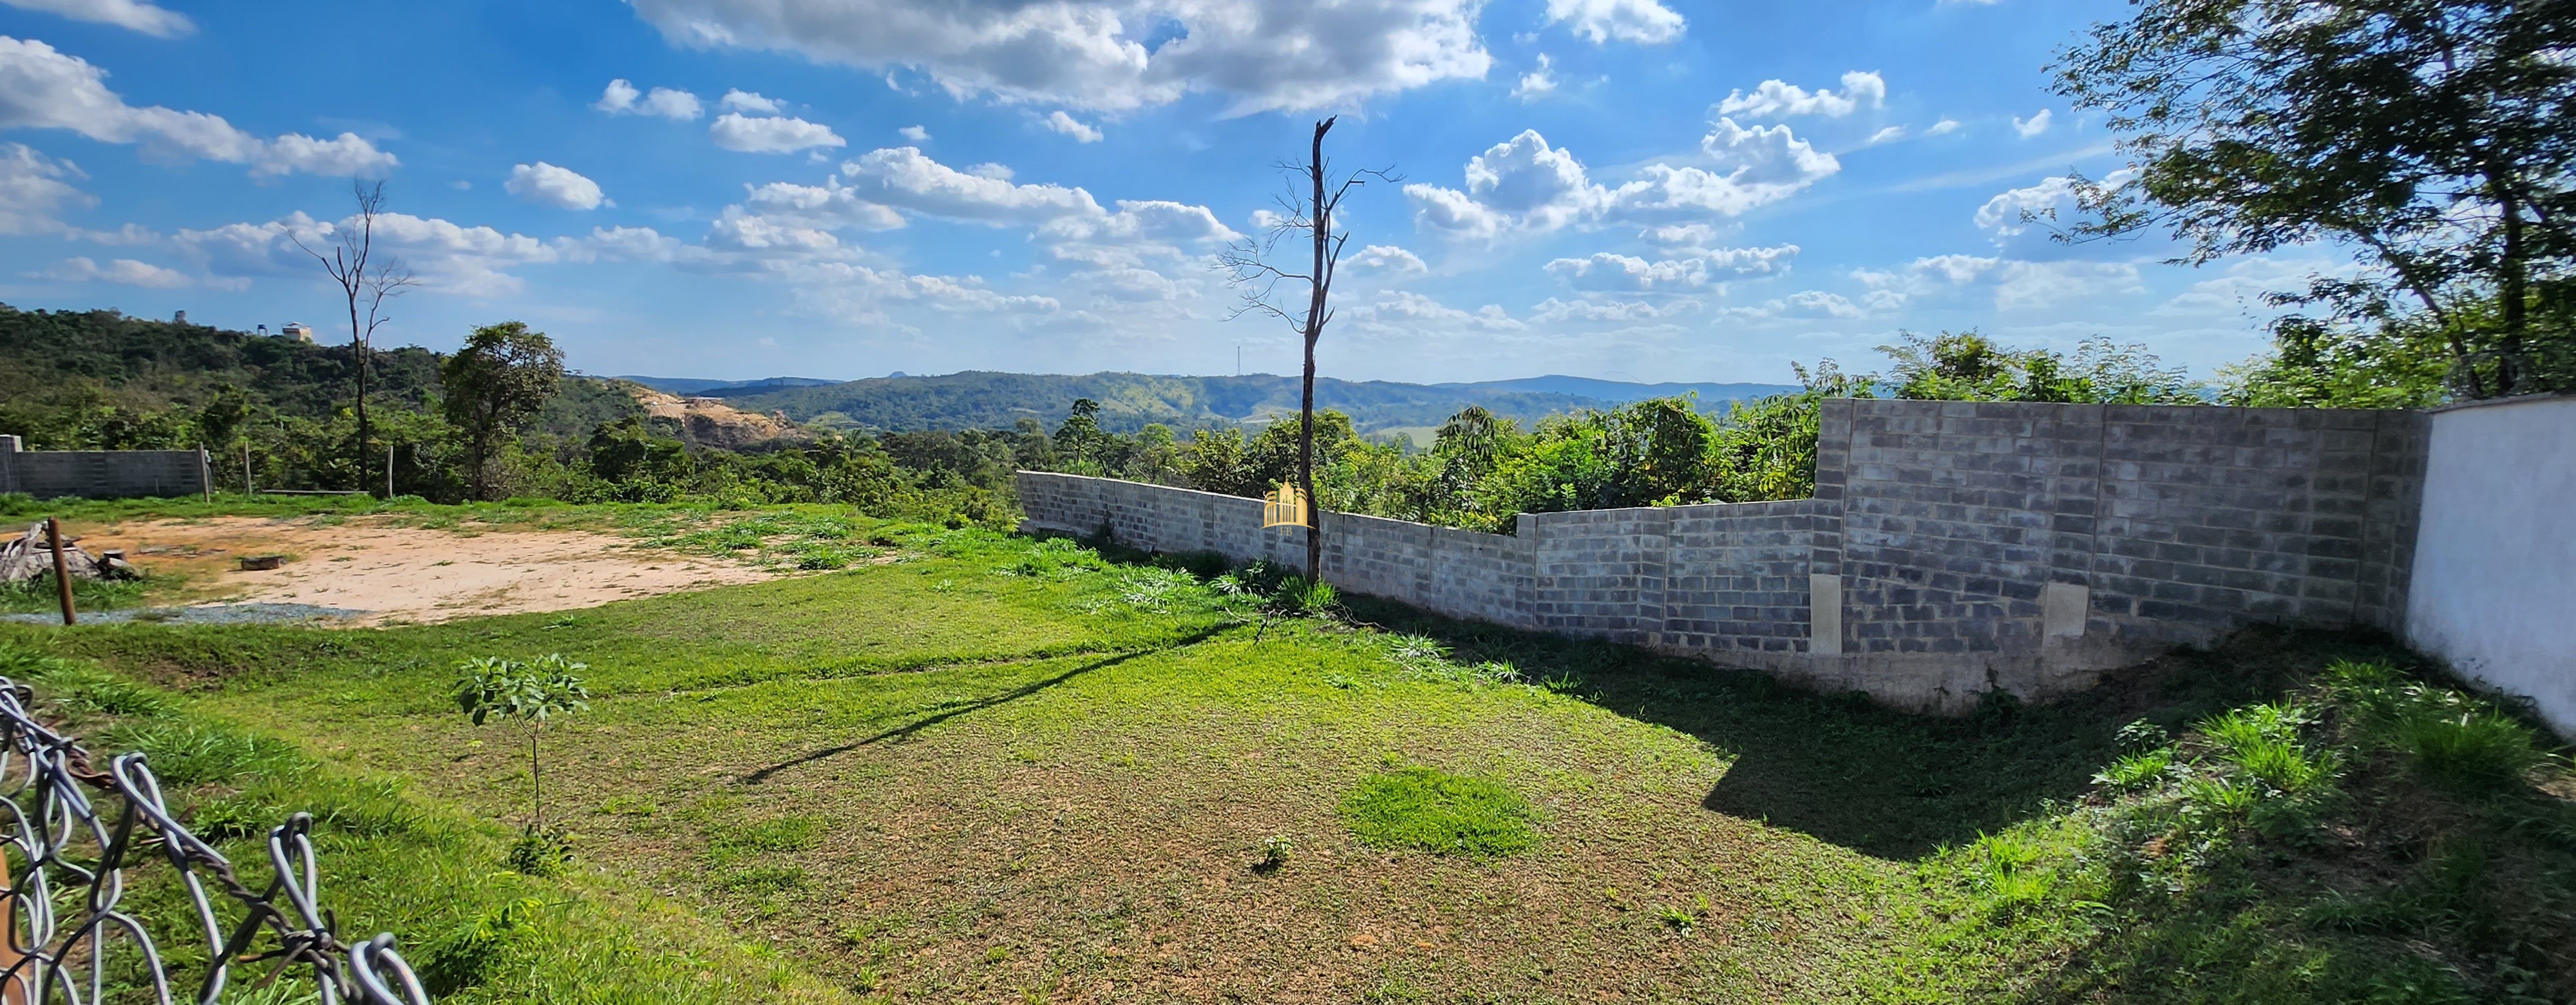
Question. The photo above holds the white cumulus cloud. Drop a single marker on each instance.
(2033, 125)
(1537, 83)
(771, 134)
(1812, 305)
(1521, 182)
(1389, 258)
(2012, 211)
(33, 192)
(1777, 98)
(41, 88)
(159, 22)
(621, 98)
(916, 134)
(1553, 310)
(1059, 122)
(471, 260)
(746, 101)
(1403, 309)
(904, 178)
(1755, 167)
(1608, 271)
(546, 184)
(1265, 54)
(2017, 284)
(81, 269)
(1646, 21)
(1526, 184)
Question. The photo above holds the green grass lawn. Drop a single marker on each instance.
(1006, 770)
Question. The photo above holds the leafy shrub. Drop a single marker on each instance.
(539, 852)
(1426, 809)
(1275, 851)
(467, 955)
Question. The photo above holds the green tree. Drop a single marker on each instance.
(2428, 136)
(494, 387)
(532, 692)
(220, 422)
(1968, 366)
(2397, 363)
(1214, 462)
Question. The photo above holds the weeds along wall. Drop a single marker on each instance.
(100, 474)
(1951, 548)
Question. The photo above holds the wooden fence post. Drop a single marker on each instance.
(62, 569)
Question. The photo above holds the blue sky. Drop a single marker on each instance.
(1632, 189)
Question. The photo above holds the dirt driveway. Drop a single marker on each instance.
(406, 573)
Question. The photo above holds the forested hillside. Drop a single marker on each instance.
(64, 373)
(1130, 401)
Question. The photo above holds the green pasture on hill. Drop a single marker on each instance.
(995, 769)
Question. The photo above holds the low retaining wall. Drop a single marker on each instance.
(101, 474)
(1951, 548)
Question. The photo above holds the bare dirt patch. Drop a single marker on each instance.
(407, 573)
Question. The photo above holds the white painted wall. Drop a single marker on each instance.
(2494, 588)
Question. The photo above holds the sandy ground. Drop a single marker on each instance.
(409, 574)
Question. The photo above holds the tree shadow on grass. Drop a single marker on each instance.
(1885, 783)
(906, 730)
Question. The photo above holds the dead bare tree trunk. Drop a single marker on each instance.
(366, 282)
(1323, 235)
(1311, 212)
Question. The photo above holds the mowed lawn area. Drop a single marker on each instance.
(976, 767)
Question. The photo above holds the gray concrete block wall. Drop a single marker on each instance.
(2214, 518)
(100, 474)
(2392, 516)
(1959, 546)
(1736, 577)
(1954, 515)
(1599, 572)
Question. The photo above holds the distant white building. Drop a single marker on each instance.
(298, 331)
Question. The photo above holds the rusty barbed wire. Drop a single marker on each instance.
(63, 936)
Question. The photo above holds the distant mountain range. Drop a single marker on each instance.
(1128, 401)
(698, 388)
(1622, 391)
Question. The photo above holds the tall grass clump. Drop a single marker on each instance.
(2368, 836)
